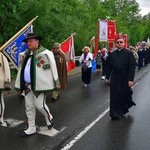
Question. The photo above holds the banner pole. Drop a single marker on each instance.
(97, 40)
(16, 35)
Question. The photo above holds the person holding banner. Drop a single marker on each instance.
(61, 68)
(120, 72)
(37, 75)
(86, 65)
(98, 61)
(104, 62)
(5, 80)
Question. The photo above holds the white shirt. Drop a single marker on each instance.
(86, 61)
(27, 76)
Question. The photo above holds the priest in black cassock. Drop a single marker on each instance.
(120, 72)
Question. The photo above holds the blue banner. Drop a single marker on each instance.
(17, 46)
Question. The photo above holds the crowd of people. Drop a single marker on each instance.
(117, 68)
(141, 53)
(42, 71)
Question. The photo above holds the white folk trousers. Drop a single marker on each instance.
(31, 103)
(2, 107)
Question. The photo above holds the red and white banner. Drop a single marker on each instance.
(68, 48)
(106, 33)
(103, 30)
(111, 30)
(107, 30)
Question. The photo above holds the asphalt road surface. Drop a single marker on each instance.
(81, 120)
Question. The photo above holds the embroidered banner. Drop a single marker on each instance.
(68, 48)
(103, 30)
(15, 47)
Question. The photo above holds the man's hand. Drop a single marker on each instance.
(107, 82)
(58, 86)
(130, 83)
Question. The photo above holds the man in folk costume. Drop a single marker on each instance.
(120, 72)
(61, 68)
(4, 84)
(37, 75)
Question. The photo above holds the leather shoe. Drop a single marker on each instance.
(50, 126)
(53, 99)
(23, 134)
(114, 118)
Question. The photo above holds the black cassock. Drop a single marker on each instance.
(120, 69)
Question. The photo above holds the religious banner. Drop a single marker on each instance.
(14, 46)
(68, 48)
(103, 30)
(106, 33)
(17, 46)
(111, 30)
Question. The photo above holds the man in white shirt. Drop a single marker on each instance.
(37, 76)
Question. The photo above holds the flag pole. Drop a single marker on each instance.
(16, 35)
(97, 39)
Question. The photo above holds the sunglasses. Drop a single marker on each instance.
(119, 42)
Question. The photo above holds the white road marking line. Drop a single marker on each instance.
(4, 124)
(71, 143)
(51, 133)
(135, 84)
(13, 122)
(10, 122)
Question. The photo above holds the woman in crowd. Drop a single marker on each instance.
(86, 67)
(98, 61)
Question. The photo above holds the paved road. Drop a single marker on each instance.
(129, 133)
(77, 108)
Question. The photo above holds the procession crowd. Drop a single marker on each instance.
(141, 53)
(42, 71)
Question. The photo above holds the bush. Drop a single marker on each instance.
(13, 73)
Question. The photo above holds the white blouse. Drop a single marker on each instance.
(88, 59)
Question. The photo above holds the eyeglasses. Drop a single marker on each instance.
(119, 42)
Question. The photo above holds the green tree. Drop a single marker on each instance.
(58, 19)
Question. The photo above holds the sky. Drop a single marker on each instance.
(144, 6)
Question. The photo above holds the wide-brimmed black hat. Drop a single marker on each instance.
(31, 35)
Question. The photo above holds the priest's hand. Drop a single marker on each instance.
(130, 83)
(107, 82)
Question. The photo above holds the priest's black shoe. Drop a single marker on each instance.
(114, 118)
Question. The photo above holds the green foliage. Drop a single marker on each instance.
(58, 19)
(13, 73)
